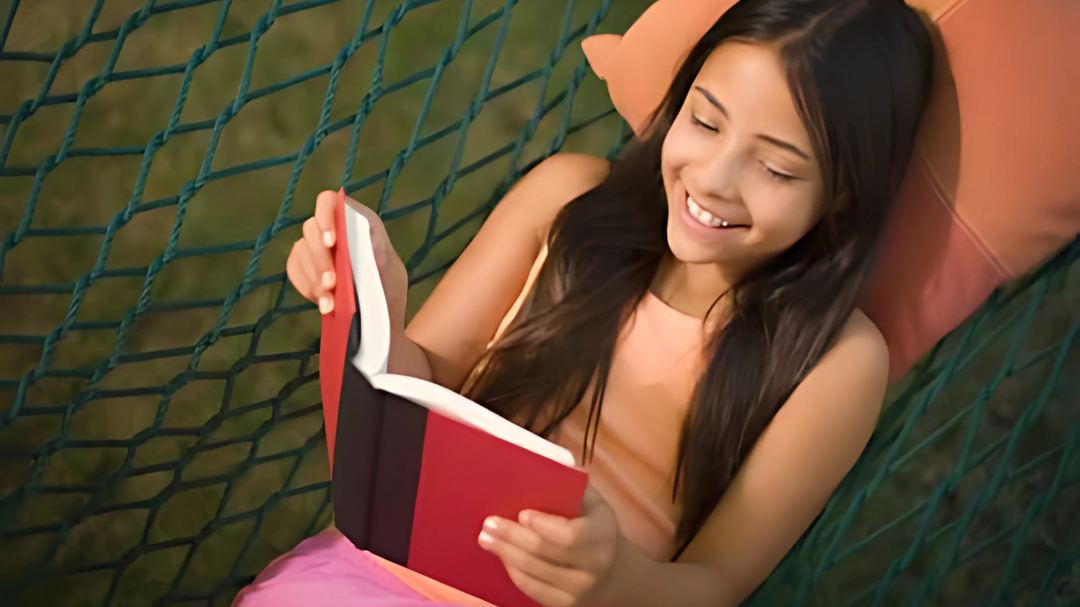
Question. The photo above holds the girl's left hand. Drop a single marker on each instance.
(558, 562)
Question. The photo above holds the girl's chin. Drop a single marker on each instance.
(693, 254)
(687, 250)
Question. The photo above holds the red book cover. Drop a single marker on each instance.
(416, 469)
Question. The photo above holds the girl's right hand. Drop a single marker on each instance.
(311, 267)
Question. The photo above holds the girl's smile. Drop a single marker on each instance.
(705, 227)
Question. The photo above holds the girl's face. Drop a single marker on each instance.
(741, 179)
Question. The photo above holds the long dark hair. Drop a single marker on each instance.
(859, 71)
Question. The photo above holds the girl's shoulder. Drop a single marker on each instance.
(859, 354)
(861, 337)
(858, 362)
(575, 164)
(541, 193)
(461, 316)
(846, 386)
(569, 172)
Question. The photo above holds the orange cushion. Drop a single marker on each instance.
(991, 190)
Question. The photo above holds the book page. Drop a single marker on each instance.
(374, 349)
(455, 406)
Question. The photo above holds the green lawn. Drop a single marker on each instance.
(211, 422)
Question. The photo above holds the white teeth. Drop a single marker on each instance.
(704, 217)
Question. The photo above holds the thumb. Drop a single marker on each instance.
(592, 499)
(324, 215)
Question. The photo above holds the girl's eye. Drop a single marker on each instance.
(698, 121)
(784, 177)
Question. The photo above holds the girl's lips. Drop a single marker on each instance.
(696, 225)
(708, 218)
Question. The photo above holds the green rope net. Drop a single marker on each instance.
(161, 435)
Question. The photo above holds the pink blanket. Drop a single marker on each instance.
(328, 571)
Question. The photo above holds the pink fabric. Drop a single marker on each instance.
(328, 571)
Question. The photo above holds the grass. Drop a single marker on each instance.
(182, 450)
(213, 460)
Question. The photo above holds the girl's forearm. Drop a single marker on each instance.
(407, 358)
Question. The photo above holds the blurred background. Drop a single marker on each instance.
(160, 424)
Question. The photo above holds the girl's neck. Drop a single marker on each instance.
(691, 288)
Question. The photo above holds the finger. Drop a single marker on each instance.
(542, 593)
(296, 274)
(592, 507)
(568, 580)
(526, 539)
(592, 498)
(553, 529)
(380, 239)
(318, 294)
(324, 216)
(321, 260)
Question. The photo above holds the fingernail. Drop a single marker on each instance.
(485, 540)
(327, 280)
(326, 305)
(328, 238)
(525, 517)
(491, 524)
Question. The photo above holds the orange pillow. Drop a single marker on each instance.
(992, 188)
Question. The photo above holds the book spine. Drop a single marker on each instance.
(356, 456)
(397, 477)
(379, 449)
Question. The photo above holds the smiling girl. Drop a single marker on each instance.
(683, 319)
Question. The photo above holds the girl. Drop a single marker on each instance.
(683, 319)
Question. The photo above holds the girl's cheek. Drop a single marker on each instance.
(782, 222)
(678, 148)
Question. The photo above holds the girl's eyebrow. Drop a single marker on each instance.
(773, 140)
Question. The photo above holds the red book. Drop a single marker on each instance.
(416, 468)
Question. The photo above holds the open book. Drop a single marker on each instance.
(416, 467)
(374, 350)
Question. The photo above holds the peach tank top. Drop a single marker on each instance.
(657, 361)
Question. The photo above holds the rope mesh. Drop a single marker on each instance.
(160, 423)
